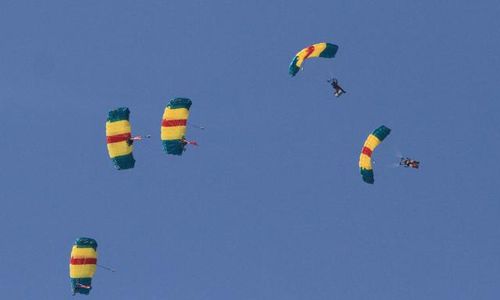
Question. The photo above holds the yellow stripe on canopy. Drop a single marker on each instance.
(83, 252)
(175, 114)
(174, 132)
(365, 162)
(82, 271)
(318, 48)
(119, 149)
(85, 270)
(372, 142)
(118, 127)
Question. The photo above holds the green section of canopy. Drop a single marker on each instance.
(119, 114)
(84, 242)
(124, 162)
(180, 103)
(367, 176)
(293, 69)
(175, 147)
(382, 132)
(329, 51)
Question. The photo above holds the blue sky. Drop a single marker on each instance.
(271, 204)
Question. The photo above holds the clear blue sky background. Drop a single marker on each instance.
(271, 205)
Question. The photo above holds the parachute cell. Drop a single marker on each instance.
(173, 125)
(118, 135)
(365, 159)
(82, 265)
(325, 50)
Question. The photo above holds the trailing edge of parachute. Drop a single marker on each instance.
(325, 50)
(118, 134)
(82, 265)
(365, 158)
(173, 125)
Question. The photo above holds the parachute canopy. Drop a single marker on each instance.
(173, 125)
(325, 50)
(82, 265)
(118, 134)
(365, 159)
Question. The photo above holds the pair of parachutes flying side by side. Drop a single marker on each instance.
(327, 50)
(120, 141)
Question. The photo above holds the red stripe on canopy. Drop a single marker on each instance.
(172, 123)
(309, 51)
(118, 138)
(83, 261)
(367, 151)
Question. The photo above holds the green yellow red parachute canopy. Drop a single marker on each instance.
(365, 158)
(173, 125)
(118, 135)
(325, 50)
(82, 265)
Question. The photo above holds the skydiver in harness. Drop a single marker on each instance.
(81, 286)
(409, 163)
(131, 140)
(338, 89)
(185, 142)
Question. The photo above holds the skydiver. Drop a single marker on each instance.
(81, 286)
(338, 89)
(409, 163)
(185, 142)
(131, 140)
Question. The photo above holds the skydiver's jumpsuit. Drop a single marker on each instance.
(338, 90)
(131, 140)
